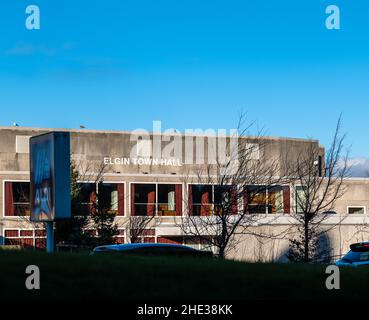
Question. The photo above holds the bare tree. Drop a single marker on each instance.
(101, 215)
(243, 178)
(318, 185)
(92, 222)
(137, 227)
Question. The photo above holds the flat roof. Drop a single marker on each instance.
(21, 128)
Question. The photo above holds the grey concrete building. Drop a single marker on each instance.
(157, 174)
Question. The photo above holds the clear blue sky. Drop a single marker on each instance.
(122, 64)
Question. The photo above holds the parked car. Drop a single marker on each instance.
(357, 256)
(152, 249)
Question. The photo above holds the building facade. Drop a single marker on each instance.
(145, 174)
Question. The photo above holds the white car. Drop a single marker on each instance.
(357, 256)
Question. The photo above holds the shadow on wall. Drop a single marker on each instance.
(269, 250)
(283, 258)
(265, 249)
(324, 252)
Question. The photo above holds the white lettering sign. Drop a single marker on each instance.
(142, 162)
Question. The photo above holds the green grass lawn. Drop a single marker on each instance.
(122, 277)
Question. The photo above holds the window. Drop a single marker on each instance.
(267, 200)
(301, 200)
(17, 199)
(353, 256)
(320, 166)
(156, 199)
(142, 236)
(225, 198)
(206, 199)
(111, 196)
(356, 210)
(170, 240)
(166, 200)
(86, 201)
(26, 238)
(144, 199)
(202, 199)
(257, 199)
(222, 195)
(275, 200)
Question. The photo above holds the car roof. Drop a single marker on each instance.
(133, 246)
(361, 243)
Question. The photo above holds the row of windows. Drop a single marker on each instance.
(152, 199)
(36, 238)
(26, 238)
(147, 199)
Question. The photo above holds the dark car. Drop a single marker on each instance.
(152, 249)
(357, 256)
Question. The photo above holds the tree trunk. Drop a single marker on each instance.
(306, 241)
(223, 243)
(221, 254)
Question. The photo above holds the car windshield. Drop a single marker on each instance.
(356, 256)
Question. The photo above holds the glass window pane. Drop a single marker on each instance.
(300, 199)
(21, 194)
(86, 195)
(275, 200)
(108, 197)
(167, 200)
(222, 195)
(202, 194)
(202, 199)
(257, 199)
(114, 200)
(356, 210)
(145, 199)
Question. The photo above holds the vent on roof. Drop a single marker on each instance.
(22, 144)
